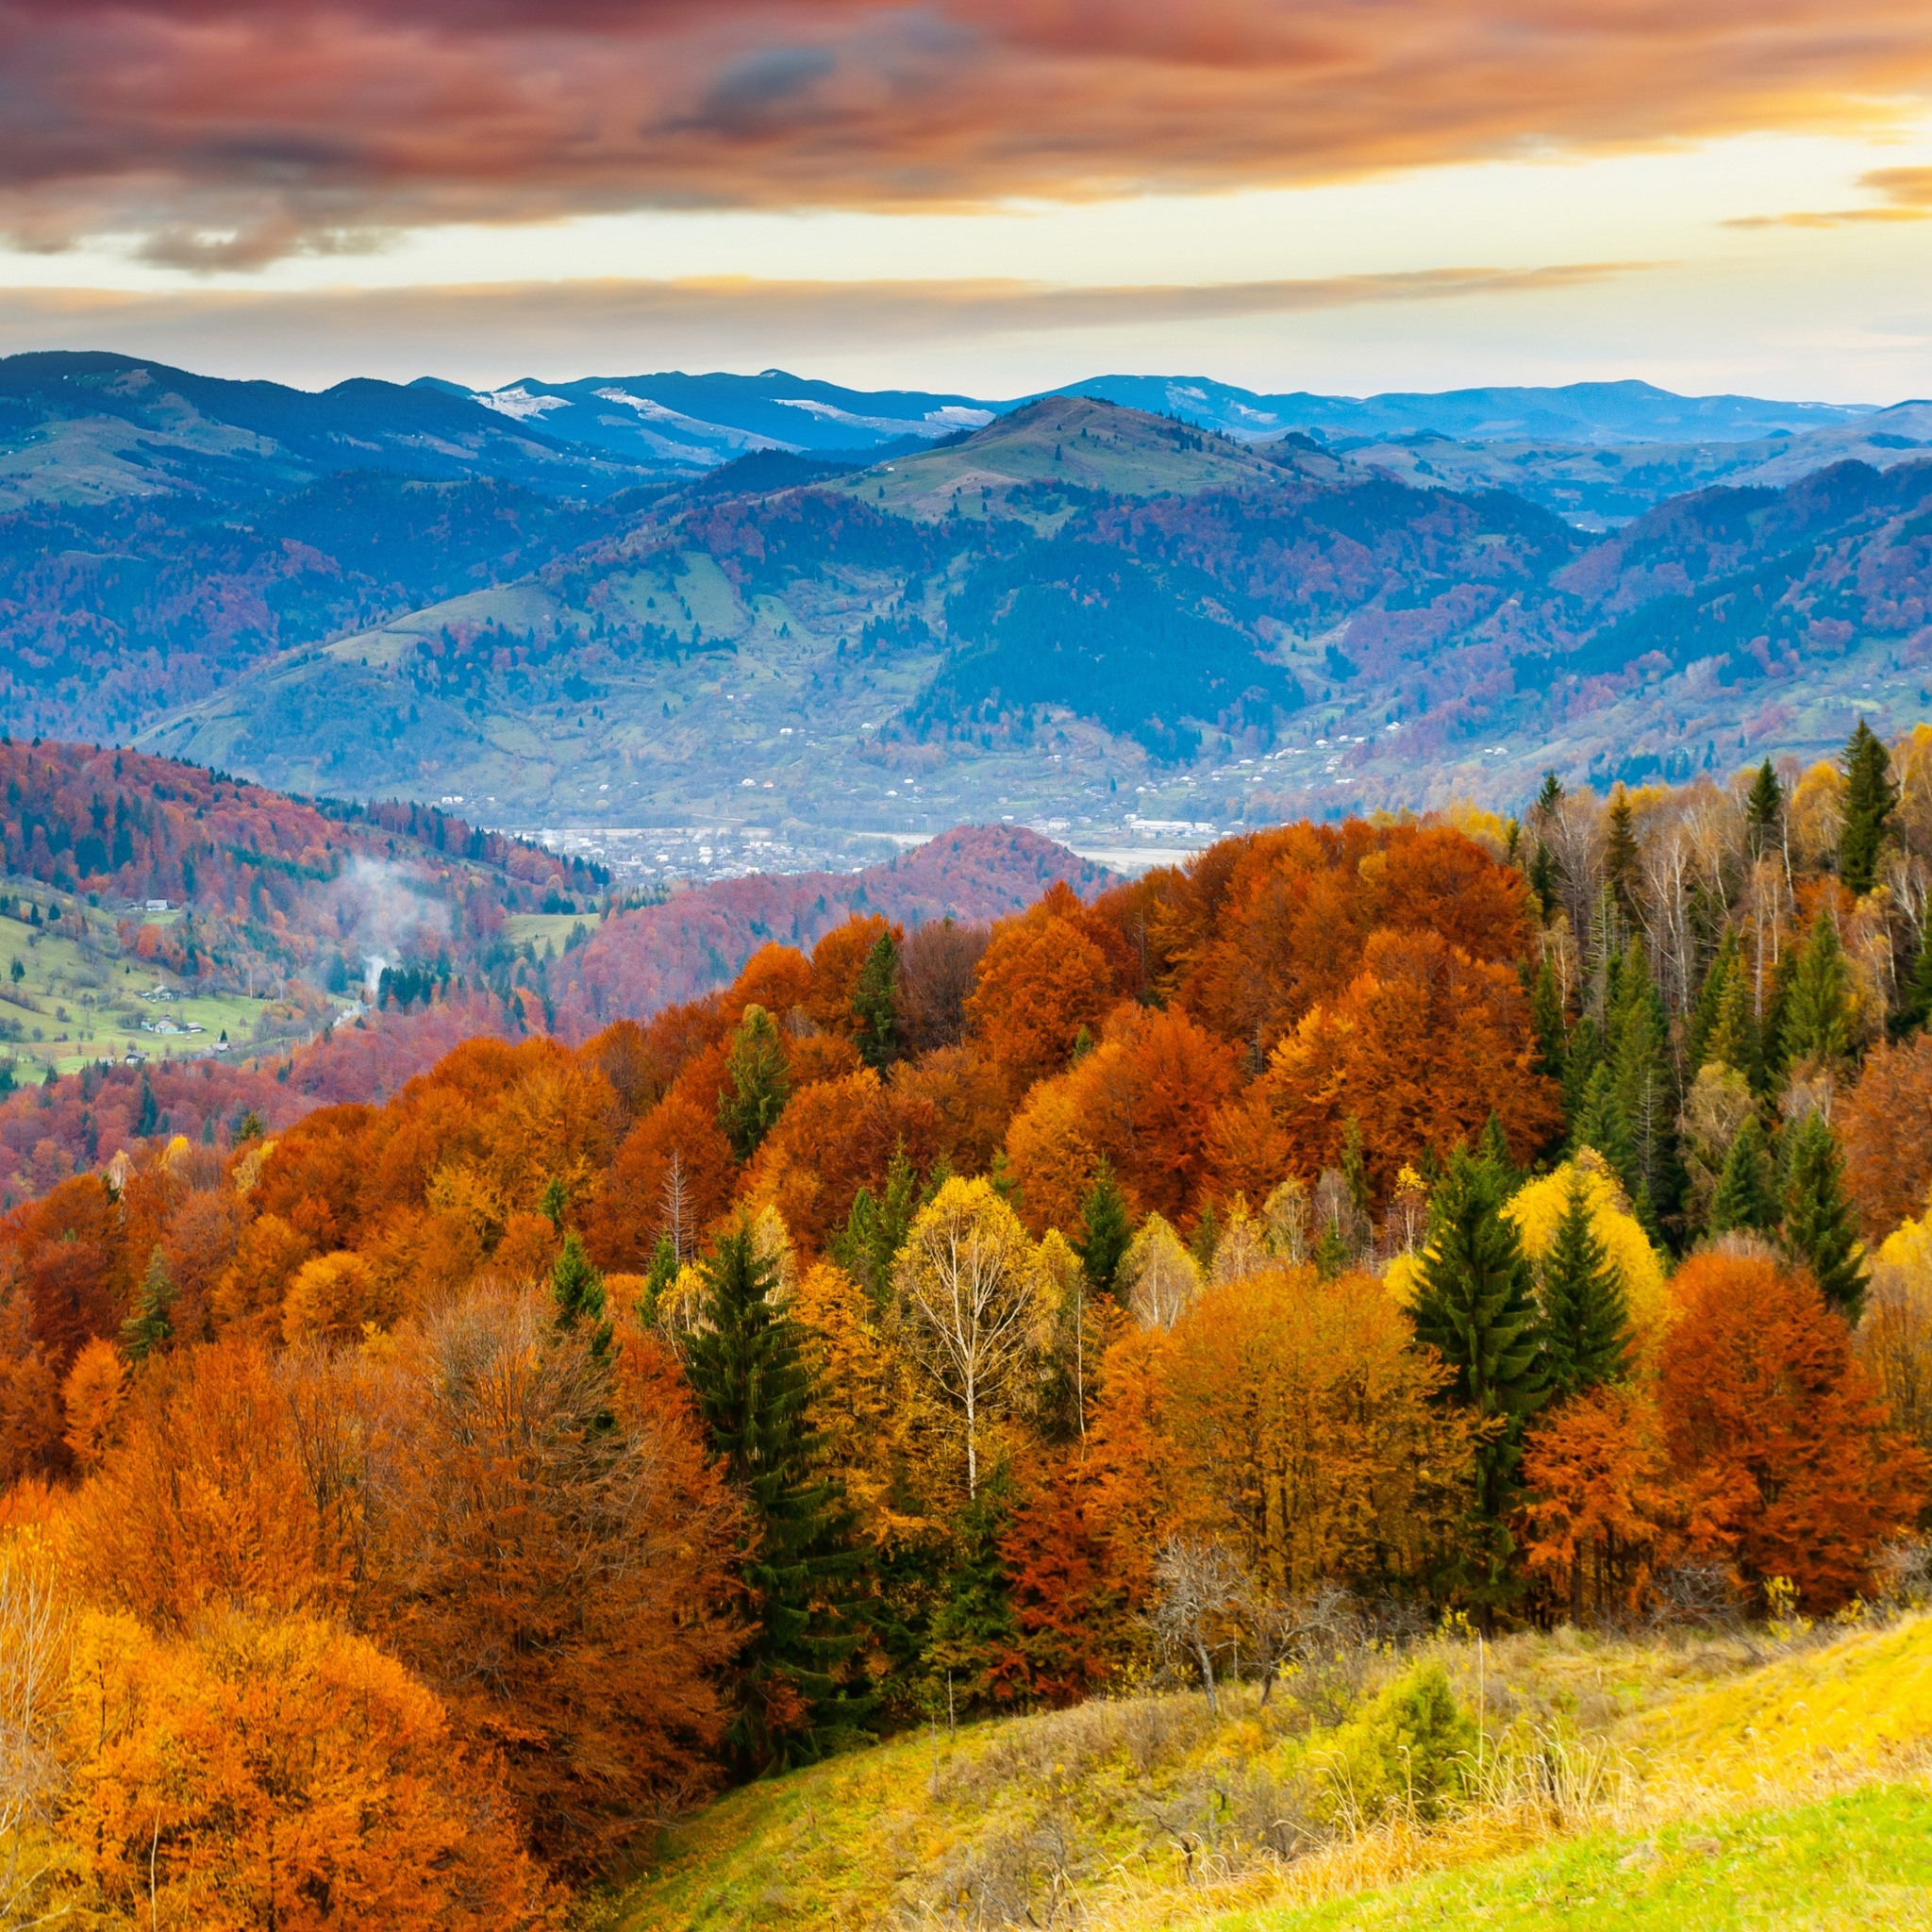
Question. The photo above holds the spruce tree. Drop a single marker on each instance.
(1547, 1017)
(760, 1083)
(876, 1229)
(1763, 808)
(1818, 1229)
(750, 1370)
(1543, 878)
(1621, 855)
(1915, 992)
(1586, 1313)
(1709, 1003)
(1870, 798)
(873, 1003)
(1106, 1231)
(1493, 1147)
(1735, 1039)
(576, 1293)
(1645, 1084)
(1476, 1306)
(1747, 1194)
(1549, 794)
(150, 1325)
(1817, 1007)
(1355, 1169)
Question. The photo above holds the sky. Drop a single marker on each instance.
(994, 197)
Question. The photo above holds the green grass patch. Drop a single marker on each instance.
(1863, 1858)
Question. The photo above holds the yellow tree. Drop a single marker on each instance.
(966, 1280)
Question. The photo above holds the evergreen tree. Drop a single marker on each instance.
(1601, 1125)
(750, 1370)
(555, 1204)
(876, 1229)
(1476, 1306)
(1332, 1254)
(1621, 855)
(1763, 808)
(1105, 1231)
(1817, 1015)
(150, 1117)
(1544, 880)
(576, 1293)
(1495, 1148)
(1818, 1229)
(150, 1325)
(760, 1083)
(974, 1628)
(1645, 1084)
(1586, 1313)
(1355, 1172)
(1546, 1016)
(873, 1003)
(1747, 1194)
(1733, 1039)
(1549, 794)
(1709, 1003)
(659, 1281)
(1915, 992)
(1870, 798)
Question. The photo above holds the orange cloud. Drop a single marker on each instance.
(1908, 198)
(230, 134)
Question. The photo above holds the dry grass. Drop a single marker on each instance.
(1147, 1813)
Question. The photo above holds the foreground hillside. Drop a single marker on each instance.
(1644, 1782)
(1223, 1323)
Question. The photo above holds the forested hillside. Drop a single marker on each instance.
(1367, 1229)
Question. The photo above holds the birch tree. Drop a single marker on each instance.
(966, 1280)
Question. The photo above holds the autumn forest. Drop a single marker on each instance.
(412, 1504)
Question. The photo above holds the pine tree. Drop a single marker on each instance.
(1747, 1194)
(1819, 1230)
(1870, 798)
(1817, 1015)
(873, 1003)
(1621, 855)
(761, 1083)
(150, 1325)
(1549, 794)
(1476, 1306)
(1763, 808)
(1105, 1231)
(1586, 1313)
(576, 1293)
(754, 1388)
(149, 1118)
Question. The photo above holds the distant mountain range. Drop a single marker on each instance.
(889, 611)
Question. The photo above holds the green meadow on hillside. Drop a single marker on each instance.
(1721, 1781)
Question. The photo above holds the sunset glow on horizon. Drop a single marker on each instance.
(994, 199)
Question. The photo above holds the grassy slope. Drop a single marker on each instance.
(102, 1004)
(1860, 1858)
(1698, 1732)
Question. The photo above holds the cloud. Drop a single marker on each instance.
(1908, 198)
(230, 133)
(619, 326)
